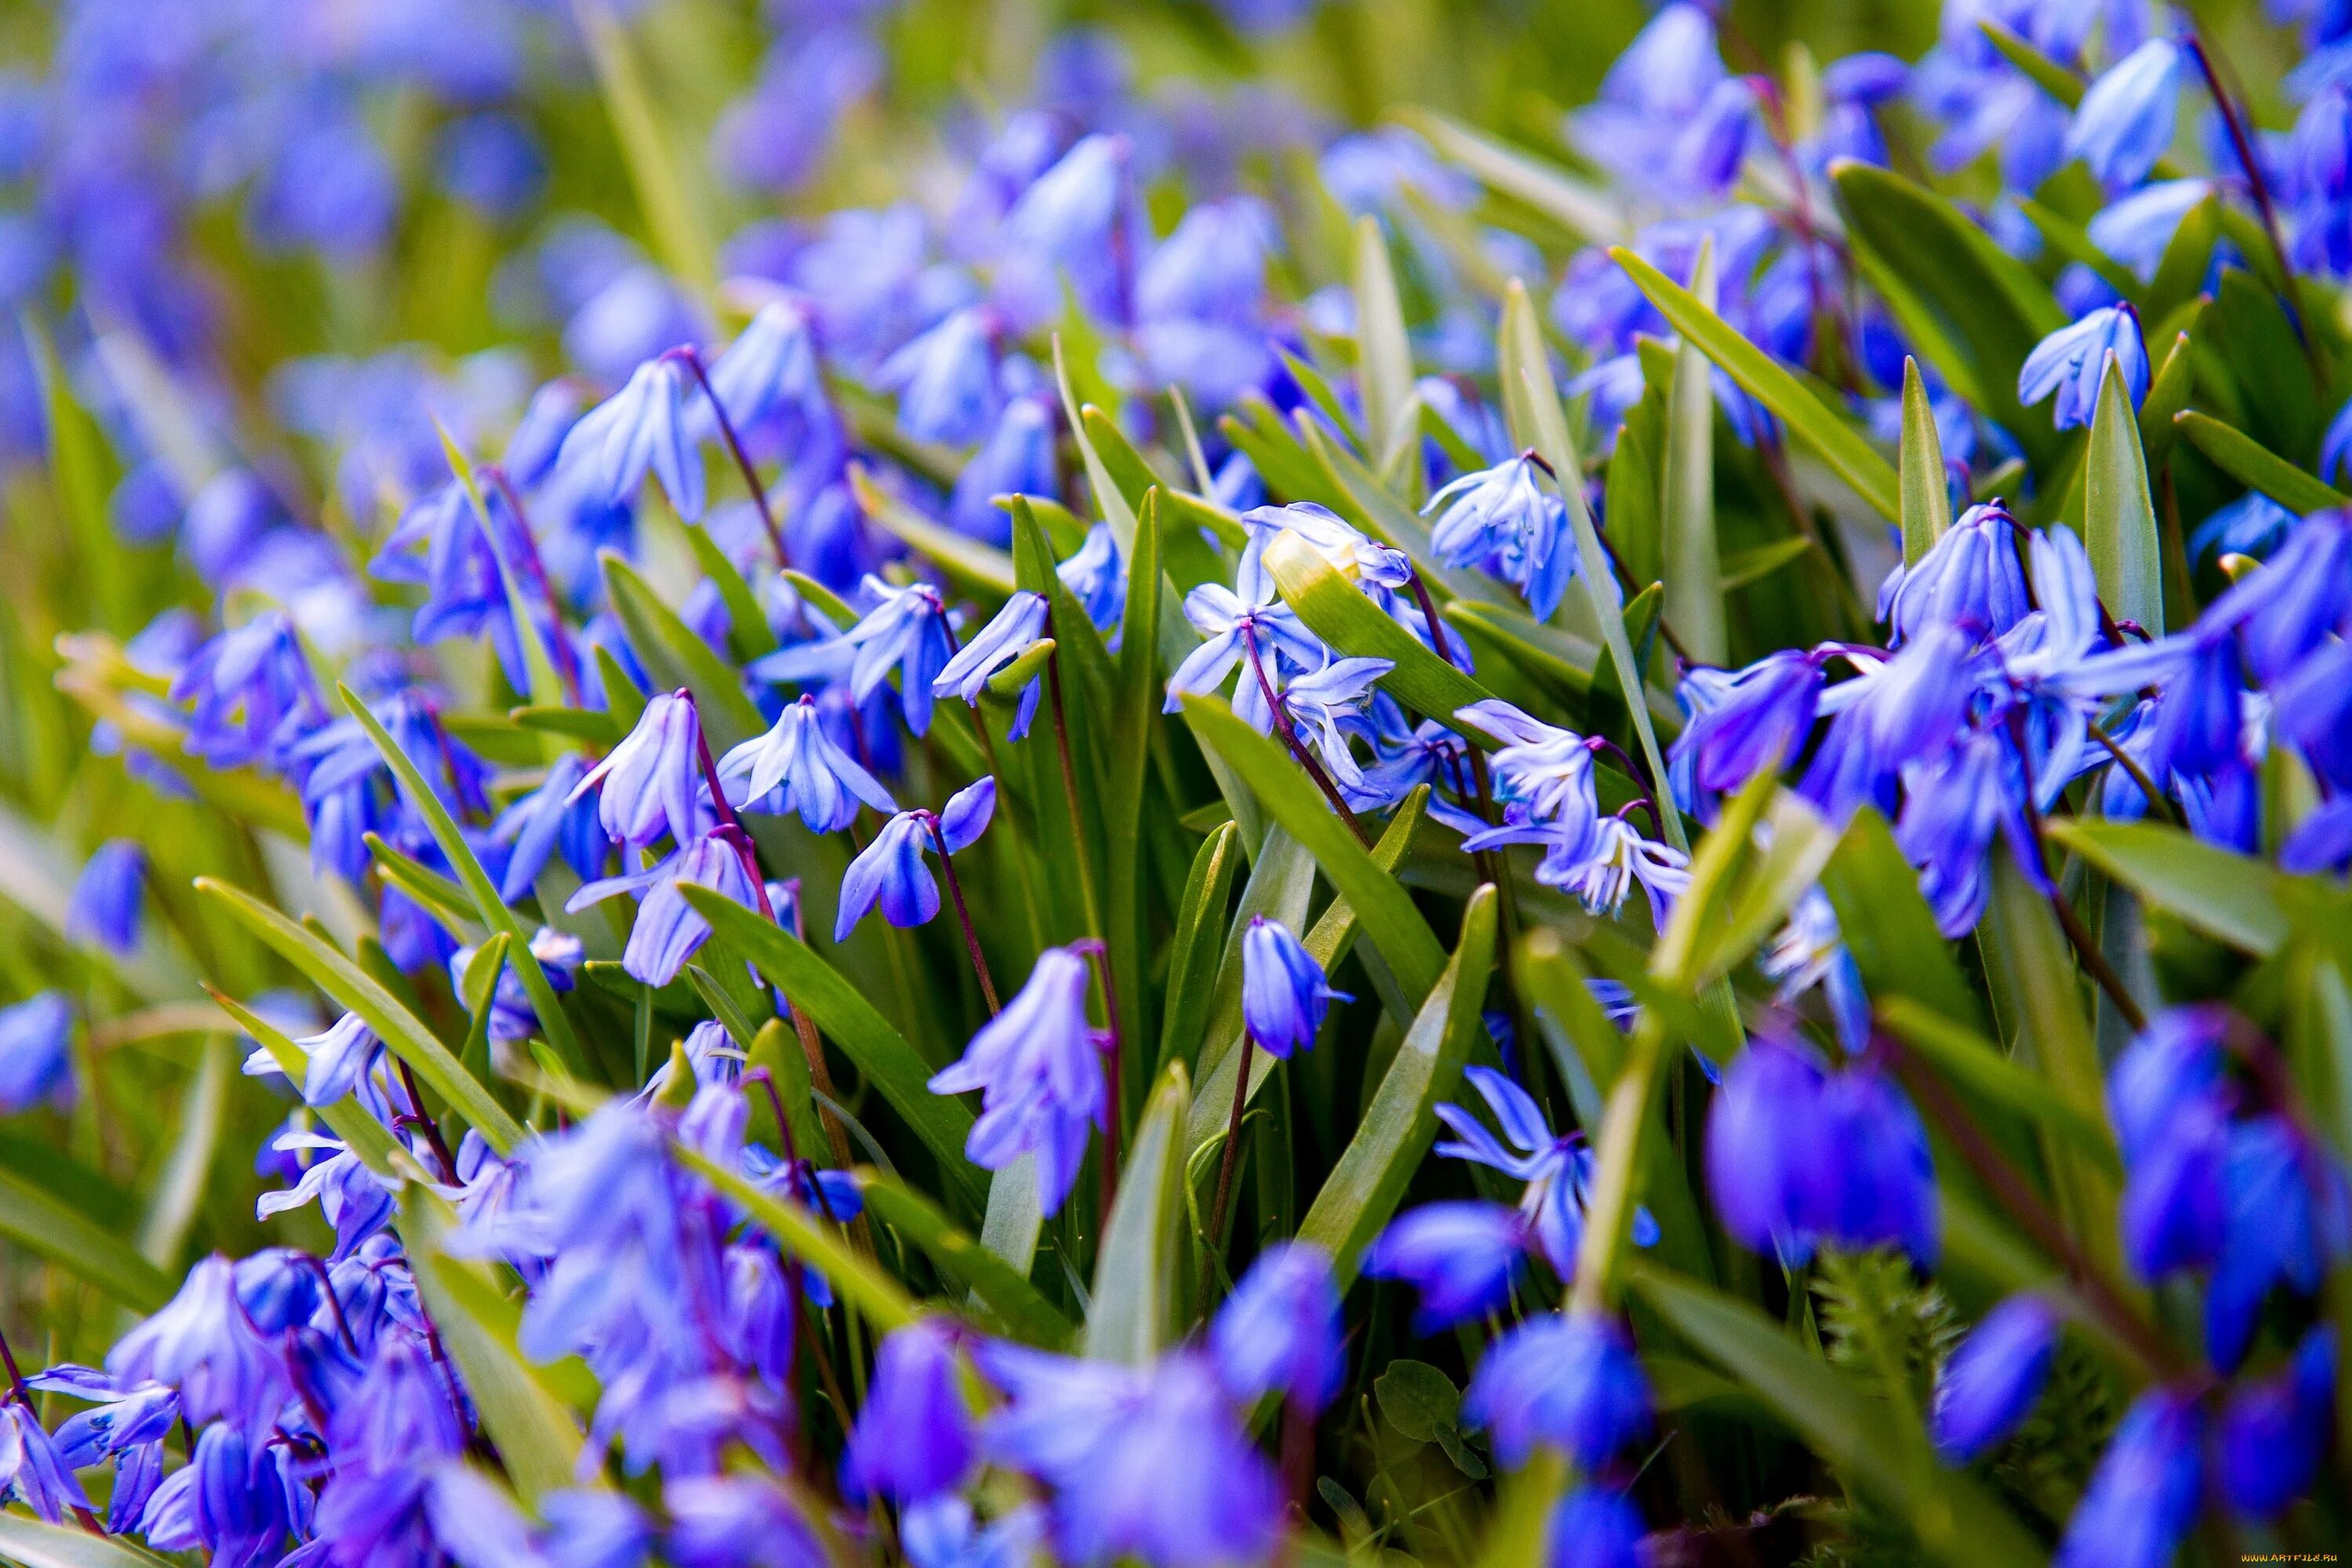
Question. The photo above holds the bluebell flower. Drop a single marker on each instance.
(253, 691)
(1038, 1066)
(2312, 711)
(1247, 625)
(1549, 768)
(1212, 265)
(893, 869)
(1079, 227)
(1280, 1328)
(646, 786)
(906, 630)
(1285, 994)
(1955, 807)
(773, 365)
(644, 427)
(667, 930)
(2289, 1216)
(202, 1344)
(2124, 123)
(1020, 622)
(2072, 361)
(1461, 1258)
(2145, 1493)
(31, 1469)
(816, 778)
(335, 1061)
(738, 1521)
(1097, 578)
(2136, 230)
(119, 1417)
(230, 1499)
(2253, 525)
(943, 1533)
(1503, 520)
(915, 1436)
(1971, 577)
(946, 381)
(2285, 613)
(354, 1200)
(1811, 951)
(2321, 841)
(1327, 707)
(1753, 720)
(1613, 857)
(1557, 1170)
(1990, 1384)
(37, 1053)
(2273, 1430)
(512, 1017)
(1570, 1383)
(1595, 1527)
(1017, 459)
(551, 818)
(108, 895)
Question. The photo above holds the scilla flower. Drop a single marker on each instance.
(1284, 993)
(914, 1437)
(817, 778)
(2072, 361)
(1038, 1066)
(36, 1052)
(1570, 1383)
(1989, 1386)
(642, 427)
(106, 897)
(645, 786)
(2125, 121)
(667, 930)
(893, 870)
(1280, 1328)
(1012, 629)
(1503, 520)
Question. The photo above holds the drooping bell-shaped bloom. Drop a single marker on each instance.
(2144, 1495)
(907, 630)
(915, 1436)
(1549, 768)
(109, 896)
(1755, 718)
(772, 363)
(1990, 1382)
(647, 785)
(1556, 1169)
(2072, 361)
(946, 381)
(1285, 994)
(1020, 623)
(894, 870)
(1971, 577)
(642, 428)
(1955, 807)
(31, 1469)
(1612, 858)
(335, 1061)
(2125, 121)
(738, 1521)
(1502, 519)
(1764, 1162)
(36, 1052)
(545, 820)
(2288, 1216)
(817, 778)
(1249, 625)
(1038, 1066)
(1017, 459)
(2137, 229)
(1570, 1383)
(1280, 1328)
(202, 1344)
(1459, 1256)
(1885, 1188)
(667, 930)
(1595, 1527)
(2167, 1101)
(2273, 1430)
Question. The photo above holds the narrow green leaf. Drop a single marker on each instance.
(1585, 210)
(1927, 494)
(1743, 567)
(748, 634)
(1109, 500)
(1003, 1291)
(1887, 927)
(970, 564)
(675, 657)
(354, 988)
(180, 1184)
(1385, 356)
(1368, 1180)
(2258, 467)
(2167, 395)
(537, 1435)
(2046, 73)
(2119, 516)
(1975, 1062)
(554, 1021)
(1558, 659)
(1133, 721)
(1874, 1449)
(1336, 610)
(41, 1223)
(546, 687)
(624, 702)
(36, 1545)
(2186, 262)
(894, 1069)
(815, 1241)
(1694, 563)
(1395, 926)
(2229, 897)
(1193, 954)
(1813, 422)
(1133, 1316)
(439, 895)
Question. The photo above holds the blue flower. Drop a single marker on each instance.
(2144, 1495)
(647, 785)
(667, 930)
(1077, 226)
(31, 1469)
(1557, 1170)
(1595, 1527)
(908, 628)
(335, 1061)
(1612, 858)
(893, 870)
(914, 1437)
(2273, 1430)
(1280, 1328)
(106, 897)
(1752, 720)
(738, 1521)
(946, 381)
(1245, 624)
(771, 366)
(1017, 459)
(1546, 768)
(2252, 525)
(2289, 1216)
(231, 1499)
(554, 815)
(37, 1053)
(2125, 121)
(1955, 806)
(1327, 707)
(253, 691)
(1570, 1383)
(1503, 520)
(2136, 230)
(943, 1533)
(1285, 994)
(201, 1343)
(1460, 1256)
(644, 427)
(2072, 361)
(1012, 629)
(1097, 578)
(1970, 577)
(1038, 1066)
(817, 778)
(1989, 1386)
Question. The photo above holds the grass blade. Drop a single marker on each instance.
(1003, 1290)
(1926, 495)
(1133, 1316)
(2256, 467)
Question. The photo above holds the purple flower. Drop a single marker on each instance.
(1595, 1527)
(893, 869)
(1017, 459)
(771, 366)
(642, 427)
(2144, 1496)
(36, 1052)
(1547, 768)
(2288, 1216)
(1570, 1383)
(946, 381)
(2273, 1430)
(31, 1470)
(203, 1344)
(1971, 577)
(1284, 993)
(647, 785)
(738, 1521)
(1038, 1066)
(667, 930)
(906, 630)
(2125, 121)
(335, 1062)
(818, 779)
(914, 1437)
(106, 902)
(1990, 1382)
(1503, 518)
(554, 816)
(2072, 361)
(229, 1498)
(1555, 1169)
(1280, 1328)
(1755, 718)
(1245, 624)
(1461, 1256)
(1012, 629)
(1954, 808)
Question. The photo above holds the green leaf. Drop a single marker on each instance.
(1694, 563)
(2046, 73)
(2249, 327)
(1418, 1400)
(1007, 1293)
(1981, 1066)
(1927, 492)
(1384, 355)
(361, 1133)
(2119, 516)
(1742, 567)
(1585, 210)
(36, 1545)
(1134, 721)
(1368, 1180)
(1878, 1452)
(748, 633)
(553, 1021)
(353, 987)
(1109, 500)
(39, 1222)
(881, 1054)
(2186, 262)
(1356, 493)
(815, 1241)
(2256, 467)
(2167, 395)
(1134, 1315)
(1800, 845)
(971, 565)
(535, 1432)
(180, 1184)
(538, 665)
(1193, 954)
(675, 657)
(1813, 422)
(1887, 927)
(1395, 926)
(2229, 897)
(1562, 660)
(1336, 610)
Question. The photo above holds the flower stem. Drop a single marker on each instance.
(2242, 146)
(2086, 947)
(2130, 765)
(963, 915)
(1282, 727)
(1231, 1157)
(742, 459)
(440, 1145)
(566, 657)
